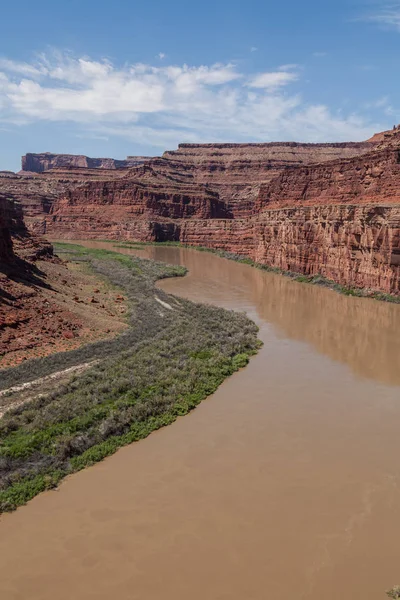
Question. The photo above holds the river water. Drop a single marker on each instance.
(284, 484)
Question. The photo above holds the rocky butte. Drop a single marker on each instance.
(332, 209)
(39, 163)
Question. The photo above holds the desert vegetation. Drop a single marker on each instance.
(174, 354)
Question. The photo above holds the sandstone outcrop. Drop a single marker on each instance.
(6, 246)
(17, 244)
(331, 209)
(369, 179)
(36, 193)
(235, 171)
(39, 163)
(122, 208)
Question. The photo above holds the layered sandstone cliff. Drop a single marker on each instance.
(331, 209)
(236, 171)
(6, 246)
(39, 163)
(369, 179)
(352, 245)
(36, 193)
(16, 241)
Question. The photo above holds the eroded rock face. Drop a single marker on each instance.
(236, 171)
(36, 193)
(370, 179)
(6, 246)
(353, 245)
(331, 209)
(16, 241)
(39, 163)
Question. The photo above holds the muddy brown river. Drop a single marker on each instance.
(285, 484)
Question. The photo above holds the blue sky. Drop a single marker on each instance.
(112, 79)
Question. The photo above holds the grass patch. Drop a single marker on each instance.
(161, 368)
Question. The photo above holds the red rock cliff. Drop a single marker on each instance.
(38, 163)
(16, 241)
(311, 208)
(370, 179)
(6, 246)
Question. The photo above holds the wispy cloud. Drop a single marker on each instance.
(384, 105)
(387, 16)
(273, 80)
(22, 68)
(163, 105)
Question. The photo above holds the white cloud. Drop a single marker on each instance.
(164, 105)
(274, 79)
(388, 15)
(384, 105)
(22, 68)
(289, 67)
(161, 55)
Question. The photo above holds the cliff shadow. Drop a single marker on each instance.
(21, 271)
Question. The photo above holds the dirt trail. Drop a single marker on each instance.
(26, 392)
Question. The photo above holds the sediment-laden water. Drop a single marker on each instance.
(283, 484)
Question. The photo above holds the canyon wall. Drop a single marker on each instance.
(352, 245)
(121, 208)
(236, 171)
(331, 209)
(39, 163)
(369, 179)
(37, 193)
(6, 245)
(16, 241)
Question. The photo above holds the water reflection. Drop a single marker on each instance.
(362, 333)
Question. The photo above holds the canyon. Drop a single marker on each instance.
(329, 209)
(305, 435)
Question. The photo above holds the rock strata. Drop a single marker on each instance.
(39, 163)
(370, 179)
(311, 208)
